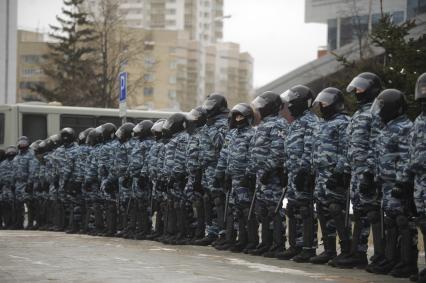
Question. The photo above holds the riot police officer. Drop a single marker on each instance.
(392, 152)
(211, 141)
(363, 130)
(7, 190)
(332, 182)
(266, 170)
(299, 151)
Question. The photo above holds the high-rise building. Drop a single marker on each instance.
(8, 26)
(346, 19)
(197, 17)
(31, 48)
(165, 75)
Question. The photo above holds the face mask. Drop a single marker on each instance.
(327, 112)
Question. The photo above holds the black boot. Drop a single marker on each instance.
(356, 258)
(409, 253)
(278, 243)
(266, 243)
(252, 232)
(230, 235)
(391, 253)
(379, 245)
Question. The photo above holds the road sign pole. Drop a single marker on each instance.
(123, 97)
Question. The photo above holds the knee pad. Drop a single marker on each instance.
(271, 211)
(305, 211)
(218, 201)
(402, 221)
(261, 211)
(335, 209)
(373, 216)
(206, 198)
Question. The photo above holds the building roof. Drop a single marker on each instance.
(328, 65)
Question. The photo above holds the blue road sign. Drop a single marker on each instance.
(123, 86)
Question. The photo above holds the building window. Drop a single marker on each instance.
(170, 22)
(148, 91)
(31, 59)
(149, 61)
(173, 64)
(171, 11)
(32, 72)
(148, 77)
(172, 80)
(172, 94)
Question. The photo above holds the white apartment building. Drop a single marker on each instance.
(8, 28)
(197, 17)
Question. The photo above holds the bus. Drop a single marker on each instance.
(39, 121)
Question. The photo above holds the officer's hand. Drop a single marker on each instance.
(366, 184)
(399, 191)
(216, 182)
(300, 179)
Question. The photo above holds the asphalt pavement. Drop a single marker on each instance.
(36, 256)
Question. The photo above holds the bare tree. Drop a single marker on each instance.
(118, 46)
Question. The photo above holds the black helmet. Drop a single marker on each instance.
(42, 147)
(157, 129)
(23, 143)
(298, 99)
(124, 133)
(56, 140)
(67, 135)
(35, 146)
(330, 102)
(108, 131)
(94, 137)
(390, 104)
(82, 136)
(241, 115)
(421, 87)
(2, 155)
(174, 124)
(11, 152)
(196, 118)
(215, 104)
(366, 87)
(143, 129)
(267, 104)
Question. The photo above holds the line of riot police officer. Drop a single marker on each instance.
(215, 176)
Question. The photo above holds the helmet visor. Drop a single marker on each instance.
(359, 84)
(241, 109)
(289, 96)
(193, 115)
(137, 129)
(157, 127)
(209, 104)
(259, 102)
(420, 90)
(377, 106)
(167, 125)
(325, 98)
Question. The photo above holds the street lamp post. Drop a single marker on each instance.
(202, 62)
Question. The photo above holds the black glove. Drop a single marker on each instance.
(29, 188)
(300, 180)
(249, 181)
(401, 190)
(219, 180)
(338, 182)
(265, 177)
(282, 174)
(127, 181)
(366, 184)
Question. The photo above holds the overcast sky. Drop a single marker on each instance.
(272, 31)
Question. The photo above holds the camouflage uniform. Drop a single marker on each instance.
(362, 133)
(267, 155)
(7, 196)
(330, 158)
(392, 153)
(21, 178)
(211, 140)
(299, 148)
